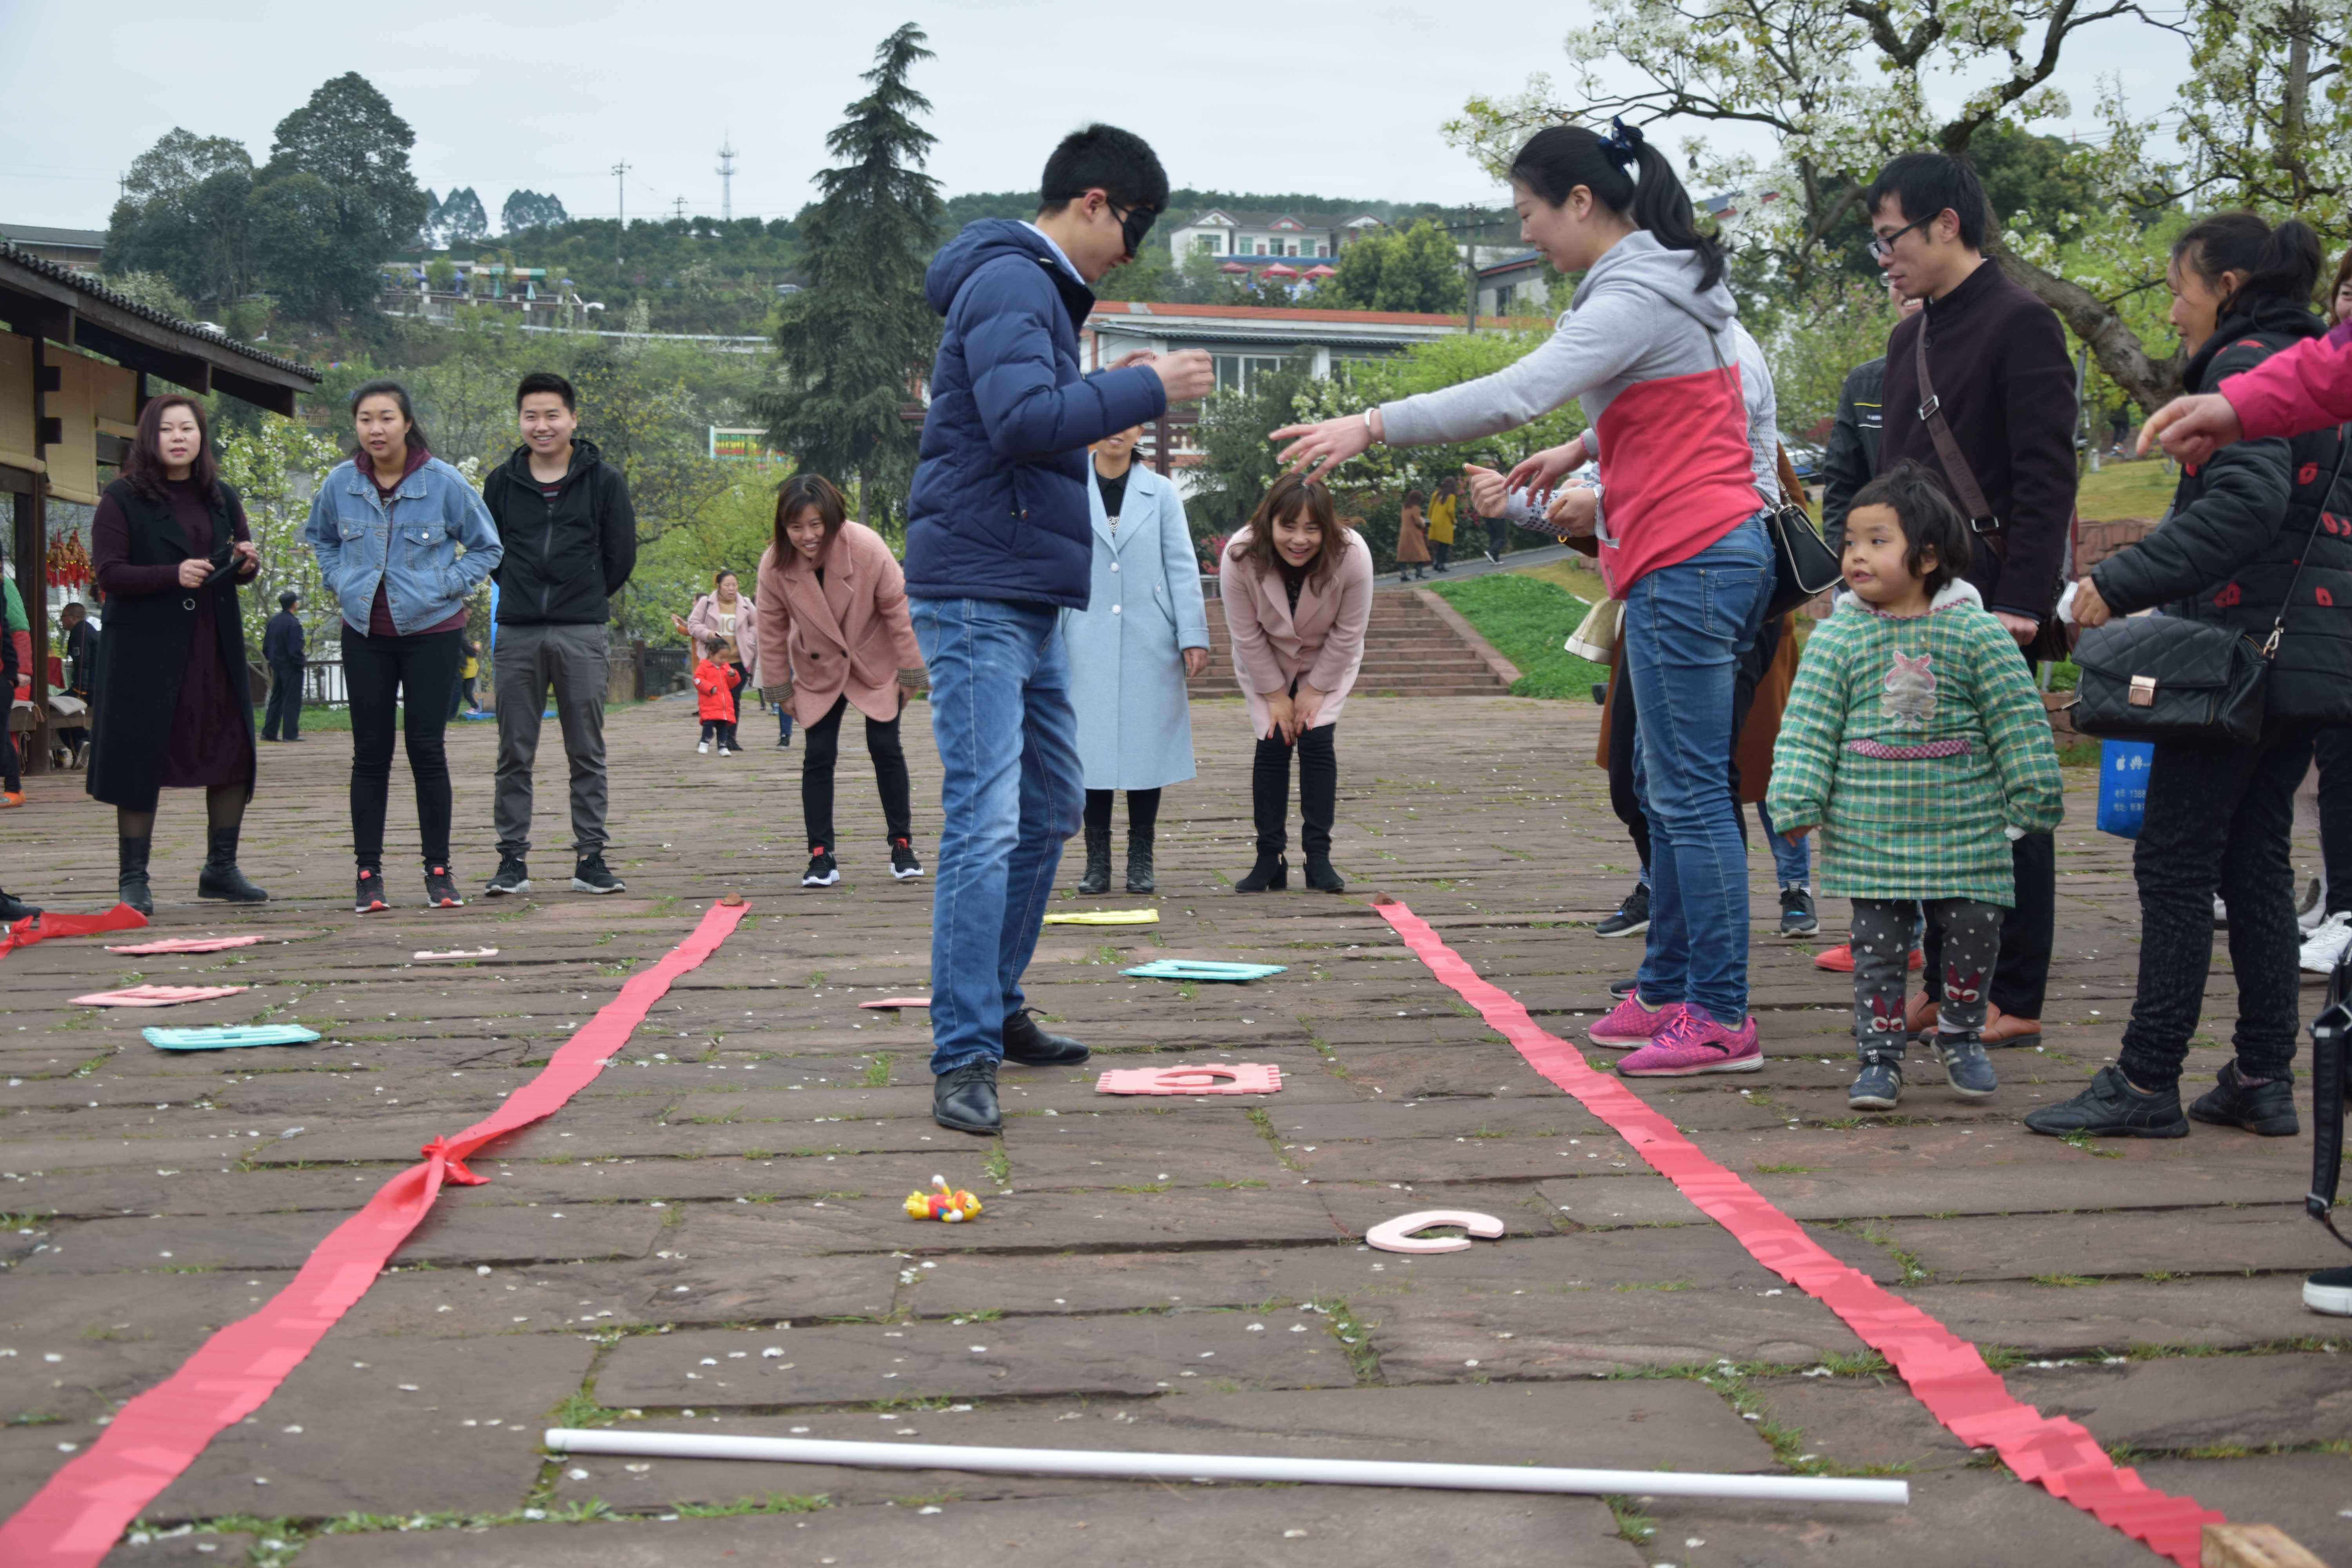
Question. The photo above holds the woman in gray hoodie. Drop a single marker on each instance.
(1648, 345)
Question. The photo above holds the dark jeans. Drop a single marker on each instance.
(1142, 812)
(1318, 790)
(285, 712)
(2027, 933)
(2179, 862)
(1439, 549)
(721, 733)
(1498, 534)
(412, 676)
(821, 748)
(2333, 748)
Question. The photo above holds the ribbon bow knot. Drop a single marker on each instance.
(453, 1169)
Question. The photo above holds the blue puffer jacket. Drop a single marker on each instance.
(999, 505)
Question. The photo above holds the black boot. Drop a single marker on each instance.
(2264, 1108)
(1322, 876)
(14, 910)
(1319, 807)
(220, 878)
(130, 858)
(1098, 876)
(1139, 859)
(1272, 871)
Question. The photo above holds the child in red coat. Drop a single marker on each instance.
(714, 684)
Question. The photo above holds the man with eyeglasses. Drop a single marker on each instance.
(999, 543)
(1997, 420)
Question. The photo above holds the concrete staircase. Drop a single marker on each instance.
(1416, 646)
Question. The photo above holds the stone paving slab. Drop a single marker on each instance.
(741, 1167)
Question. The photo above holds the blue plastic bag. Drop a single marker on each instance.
(2123, 786)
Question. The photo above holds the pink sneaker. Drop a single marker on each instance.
(1693, 1044)
(1630, 1023)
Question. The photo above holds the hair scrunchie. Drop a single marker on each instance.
(1623, 143)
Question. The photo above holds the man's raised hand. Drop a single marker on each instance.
(1188, 374)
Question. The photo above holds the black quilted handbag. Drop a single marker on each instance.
(2159, 677)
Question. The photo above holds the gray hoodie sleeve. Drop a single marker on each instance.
(1763, 413)
(1593, 344)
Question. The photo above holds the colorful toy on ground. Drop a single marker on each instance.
(189, 944)
(948, 1207)
(1402, 1234)
(156, 995)
(1105, 918)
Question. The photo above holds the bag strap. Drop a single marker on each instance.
(2330, 1034)
(2278, 626)
(1792, 489)
(1956, 467)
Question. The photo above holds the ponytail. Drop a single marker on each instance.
(2280, 263)
(1558, 158)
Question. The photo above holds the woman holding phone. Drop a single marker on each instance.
(170, 707)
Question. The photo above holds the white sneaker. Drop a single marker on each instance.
(702, 748)
(725, 753)
(2326, 944)
(2221, 912)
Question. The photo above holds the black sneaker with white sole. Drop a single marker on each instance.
(903, 864)
(1797, 916)
(369, 898)
(590, 875)
(1632, 916)
(2329, 1291)
(441, 889)
(1621, 989)
(513, 877)
(821, 871)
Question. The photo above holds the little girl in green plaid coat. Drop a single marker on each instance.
(1914, 740)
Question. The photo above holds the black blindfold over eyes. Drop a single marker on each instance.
(1134, 225)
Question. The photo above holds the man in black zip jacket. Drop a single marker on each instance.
(571, 540)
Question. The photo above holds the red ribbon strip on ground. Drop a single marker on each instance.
(1943, 1370)
(48, 923)
(78, 1518)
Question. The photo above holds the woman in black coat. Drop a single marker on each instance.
(170, 706)
(2219, 814)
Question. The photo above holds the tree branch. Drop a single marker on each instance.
(2150, 382)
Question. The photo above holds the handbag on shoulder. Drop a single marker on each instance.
(2164, 678)
(1803, 565)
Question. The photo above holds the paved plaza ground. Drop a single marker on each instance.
(710, 1238)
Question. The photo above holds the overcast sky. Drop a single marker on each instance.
(1344, 101)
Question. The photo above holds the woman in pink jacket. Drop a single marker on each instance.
(2307, 387)
(1297, 592)
(836, 632)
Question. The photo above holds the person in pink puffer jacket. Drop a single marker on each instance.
(2308, 387)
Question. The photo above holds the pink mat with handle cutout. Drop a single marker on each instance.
(1240, 1077)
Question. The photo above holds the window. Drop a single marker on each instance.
(1239, 372)
(1207, 244)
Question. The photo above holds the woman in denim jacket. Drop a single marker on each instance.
(386, 527)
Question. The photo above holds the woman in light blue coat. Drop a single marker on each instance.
(1142, 632)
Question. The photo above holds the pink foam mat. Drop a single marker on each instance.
(156, 995)
(1235, 1077)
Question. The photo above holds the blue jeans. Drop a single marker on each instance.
(1793, 859)
(1685, 628)
(1012, 791)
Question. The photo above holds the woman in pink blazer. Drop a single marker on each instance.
(835, 634)
(1297, 592)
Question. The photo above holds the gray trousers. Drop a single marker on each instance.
(1969, 934)
(528, 662)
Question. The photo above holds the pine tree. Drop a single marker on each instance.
(854, 341)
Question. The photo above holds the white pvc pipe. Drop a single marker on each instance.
(1223, 1468)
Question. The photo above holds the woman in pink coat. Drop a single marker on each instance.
(1297, 592)
(835, 635)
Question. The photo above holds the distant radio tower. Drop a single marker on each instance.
(727, 181)
(621, 195)
(680, 206)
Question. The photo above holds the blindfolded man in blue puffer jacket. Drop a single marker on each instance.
(998, 543)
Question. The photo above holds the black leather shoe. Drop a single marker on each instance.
(2111, 1107)
(2267, 1108)
(14, 909)
(964, 1100)
(1031, 1047)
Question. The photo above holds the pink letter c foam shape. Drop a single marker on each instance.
(1398, 1234)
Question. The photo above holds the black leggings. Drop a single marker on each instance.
(1318, 790)
(1142, 811)
(2334, 753)
(413, 675)
(821, 747)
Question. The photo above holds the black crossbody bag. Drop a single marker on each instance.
(2164, 678)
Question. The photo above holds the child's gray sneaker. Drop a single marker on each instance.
(1879, 1084)
(1966, 1065)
